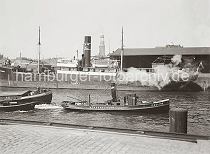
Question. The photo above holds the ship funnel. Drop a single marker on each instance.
(114, 92)
(87, 50)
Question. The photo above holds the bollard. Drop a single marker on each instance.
(114, 93)
(178, 120)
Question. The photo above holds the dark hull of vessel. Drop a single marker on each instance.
(182, 86)
(42, 98)
(18, 107)
(164, 108)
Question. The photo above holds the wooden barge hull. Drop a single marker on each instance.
(45, 98)
(18, 107)
(42, 98)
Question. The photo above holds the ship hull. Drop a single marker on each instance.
(18, 107)
(200, 84)
(182, 86)
(42, 98)
(162, 107)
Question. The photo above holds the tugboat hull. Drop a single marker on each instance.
(157, 107)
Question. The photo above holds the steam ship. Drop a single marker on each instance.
(90, 71)
(104, 69)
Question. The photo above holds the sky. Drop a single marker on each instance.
(64, 23)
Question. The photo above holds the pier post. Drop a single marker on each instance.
(114, 93)
(178, 120)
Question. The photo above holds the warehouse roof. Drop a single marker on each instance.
(163, 51)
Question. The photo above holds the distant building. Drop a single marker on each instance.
(105, 62)
(29, 65)
(144, 57)
(67, 64)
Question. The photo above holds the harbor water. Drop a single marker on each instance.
(197, 104)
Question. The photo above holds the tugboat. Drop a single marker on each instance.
(25, 100)
(131, 104)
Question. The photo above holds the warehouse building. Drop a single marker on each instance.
(146, 57)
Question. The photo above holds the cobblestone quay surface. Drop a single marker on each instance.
(37, 139)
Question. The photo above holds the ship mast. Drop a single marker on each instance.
(122, 52)
(39, 44)
(77, 55)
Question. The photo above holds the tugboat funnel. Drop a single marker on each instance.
(114, 92)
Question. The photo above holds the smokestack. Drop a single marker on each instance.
(87, 50)
(114, 92)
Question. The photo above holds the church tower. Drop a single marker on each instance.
(102, 47)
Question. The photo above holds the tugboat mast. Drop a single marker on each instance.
(39, 44)
(122, 52)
